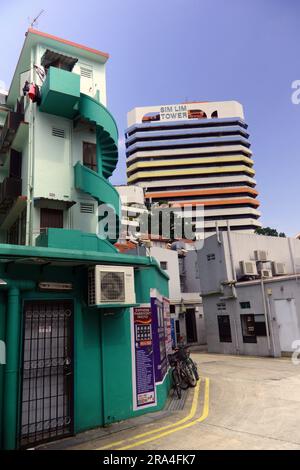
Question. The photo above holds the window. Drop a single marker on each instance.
(245, 305)
(248, 329)
(164, 265)
(172, 309)
(253, 326)
(51, 218)
(260, 325)
(89, 156)
(221, 306)
(224, 329)
(211, 257)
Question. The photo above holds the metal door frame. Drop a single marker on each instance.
(68, 333)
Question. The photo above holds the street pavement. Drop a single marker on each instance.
(241, 403)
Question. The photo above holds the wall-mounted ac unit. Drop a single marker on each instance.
(266, 273)
(248, 268)
(111, 285)
(278, 269)
(260, 255)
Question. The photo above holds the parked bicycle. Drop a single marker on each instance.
(179, 377)
(184, 355)
(184, 369)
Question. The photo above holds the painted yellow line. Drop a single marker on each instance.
(163, 428)
(204, 415)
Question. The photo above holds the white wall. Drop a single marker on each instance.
(171, 257)
(225, 109)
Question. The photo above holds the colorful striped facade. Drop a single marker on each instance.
(195, 154)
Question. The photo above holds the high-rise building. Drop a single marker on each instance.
(195, 154)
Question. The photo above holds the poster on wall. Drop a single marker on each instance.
(167, 320)
(143, 358)
(159, 336)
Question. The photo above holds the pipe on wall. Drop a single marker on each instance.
(11, 372)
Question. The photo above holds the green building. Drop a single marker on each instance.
(70, 304)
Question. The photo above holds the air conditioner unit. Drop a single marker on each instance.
(278, 269)
(111, 285)
(266, 273)
(260, 255)
(248, 268)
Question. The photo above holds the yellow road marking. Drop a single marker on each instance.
(204, 415)
(163, 428)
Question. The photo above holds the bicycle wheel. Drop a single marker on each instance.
(194, 367)
(176, 383)
(191, 379)
(184, 380)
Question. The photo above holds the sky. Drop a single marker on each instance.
(170, 51)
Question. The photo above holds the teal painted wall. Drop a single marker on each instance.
(88, 393)
(103, 390)
(2, 338)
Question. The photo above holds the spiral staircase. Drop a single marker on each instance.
(61, 96)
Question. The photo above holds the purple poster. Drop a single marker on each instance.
(145, 394)
(159, 337)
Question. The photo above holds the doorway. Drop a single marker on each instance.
(191, 327)
(289, 328)
(47, 372)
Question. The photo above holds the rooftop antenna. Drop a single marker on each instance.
(35, 20)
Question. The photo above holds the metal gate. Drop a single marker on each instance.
(47, 372)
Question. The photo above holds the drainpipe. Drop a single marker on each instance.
(292, 259)
(11, 372)
(266, 313)
(233, 273)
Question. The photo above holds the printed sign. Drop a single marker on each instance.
(145, 391)
(159, 342)
(167, 321)
(174, 112)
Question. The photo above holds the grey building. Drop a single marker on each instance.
(250, 286)
(186, 306)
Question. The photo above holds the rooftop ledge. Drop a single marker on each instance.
(87, 250)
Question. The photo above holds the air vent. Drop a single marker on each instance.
(56, 132)
(278, 269)
(87, 73)
(248, 268)
(112, 287)
(261, 255)
(87, 208)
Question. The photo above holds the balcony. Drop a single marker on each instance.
(10, 189)
(60, 93)
(11, 125)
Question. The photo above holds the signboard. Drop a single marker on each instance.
(57, 286)
(167, 321)
(143, 367)
(175, 112)
(159, 342)
(173, 333)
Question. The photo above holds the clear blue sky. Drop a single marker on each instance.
(164, 51)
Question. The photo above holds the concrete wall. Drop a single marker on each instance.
(215, 263)
(171, 257)
(278, 290)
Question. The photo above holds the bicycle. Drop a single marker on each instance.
(188, 364)
(179, 376)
